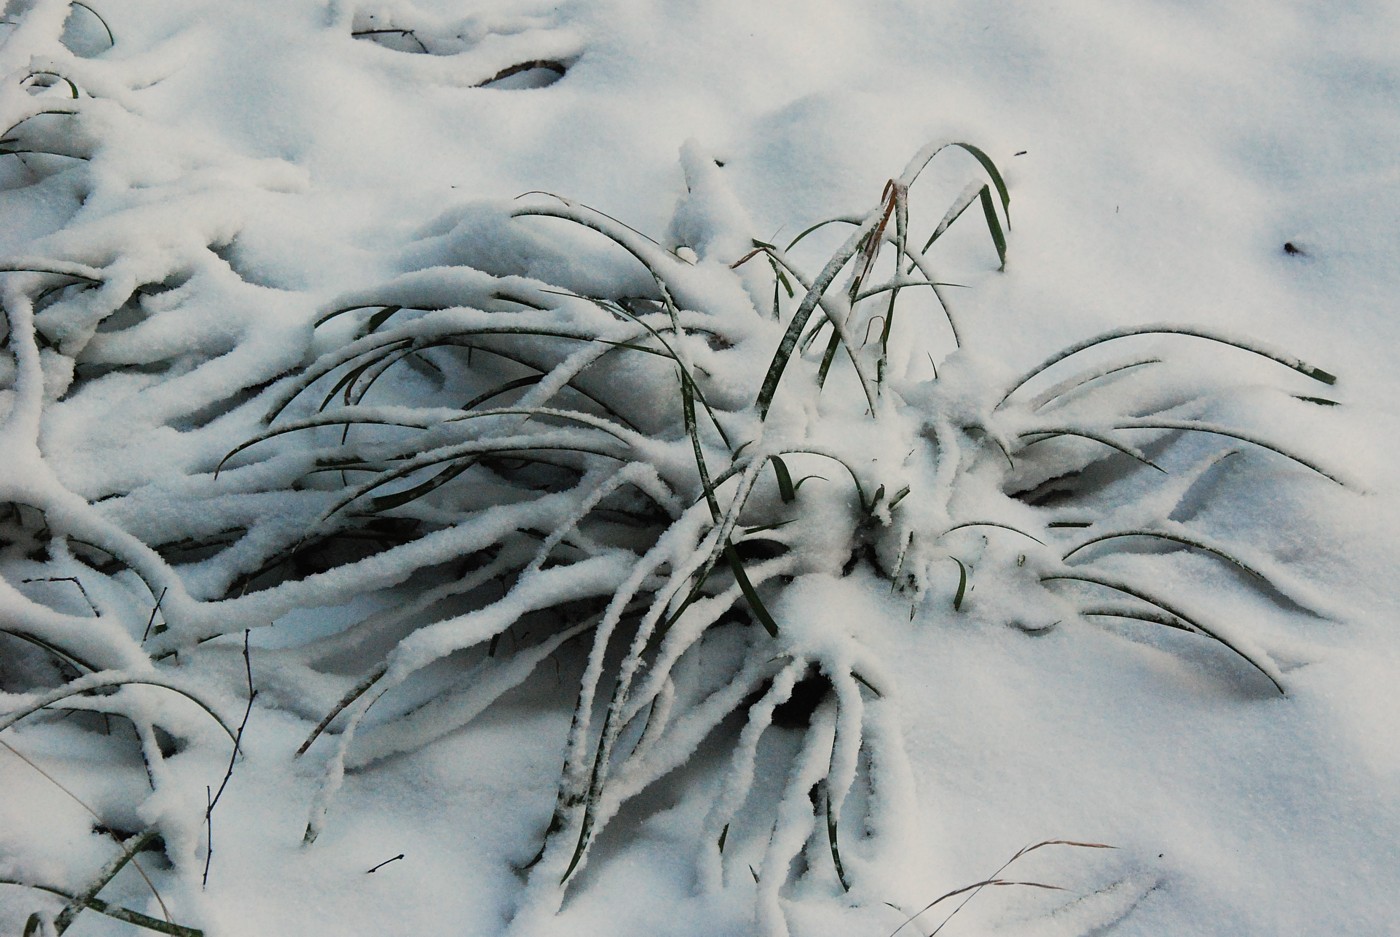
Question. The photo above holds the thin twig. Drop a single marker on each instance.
(232, 759)
(383, 864)
(152, 620)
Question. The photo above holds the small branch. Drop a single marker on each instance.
(383, 864)
(212, 799)
(74, 580)
(152, 620)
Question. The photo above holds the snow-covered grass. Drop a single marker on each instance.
(381, 552)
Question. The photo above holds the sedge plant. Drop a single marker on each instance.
(641, 481)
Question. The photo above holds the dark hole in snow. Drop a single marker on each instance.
(796, 711)
(757, 549)
(537, 73)
(169, 745)
(154, 848)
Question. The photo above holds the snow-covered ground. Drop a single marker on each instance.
(185, 188)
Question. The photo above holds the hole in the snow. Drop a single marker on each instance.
(537, 73)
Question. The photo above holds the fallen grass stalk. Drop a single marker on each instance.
(994, 880)
(116, 912)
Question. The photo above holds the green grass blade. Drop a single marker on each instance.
(832, 839)
(751, 595)
(926, 155)
(1288, 361)
(1044, 435)
(804, 312)
(1190, 426)
(111, 39)
(996, 524)
(786, 490)
(994, 225)
(1171, 610)
(962, 584)
(954, 212)
(507, 387)
(1195, 543)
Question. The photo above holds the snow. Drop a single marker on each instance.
(212, 216)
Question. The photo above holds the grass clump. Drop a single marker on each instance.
(645, 482)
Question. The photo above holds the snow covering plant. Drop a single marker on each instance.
(667, 477)
(662, 475)
(635, 473)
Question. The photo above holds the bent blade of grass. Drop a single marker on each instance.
(1197, 543)
(1068, 387)
(1192, 426)
(855, 220)
(419, 337)
(111, 39)
(520, 382)
(104, 680)
(1048, 433)
(866, 506)
(62, 654)
(1288, 361)
(646, 250)
(996, 524)
(464, 455)
(689, 388)
(926, 155)
(361, 416)
(969, 195)
(994, 225)
(751, 595)
(373, 349)
(832, 839)
(1136, 614)
(1261, 663)
(786, 490)
(46, 112)
(345, 385)
(334, 313)
(47, 73)
(570, 383)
